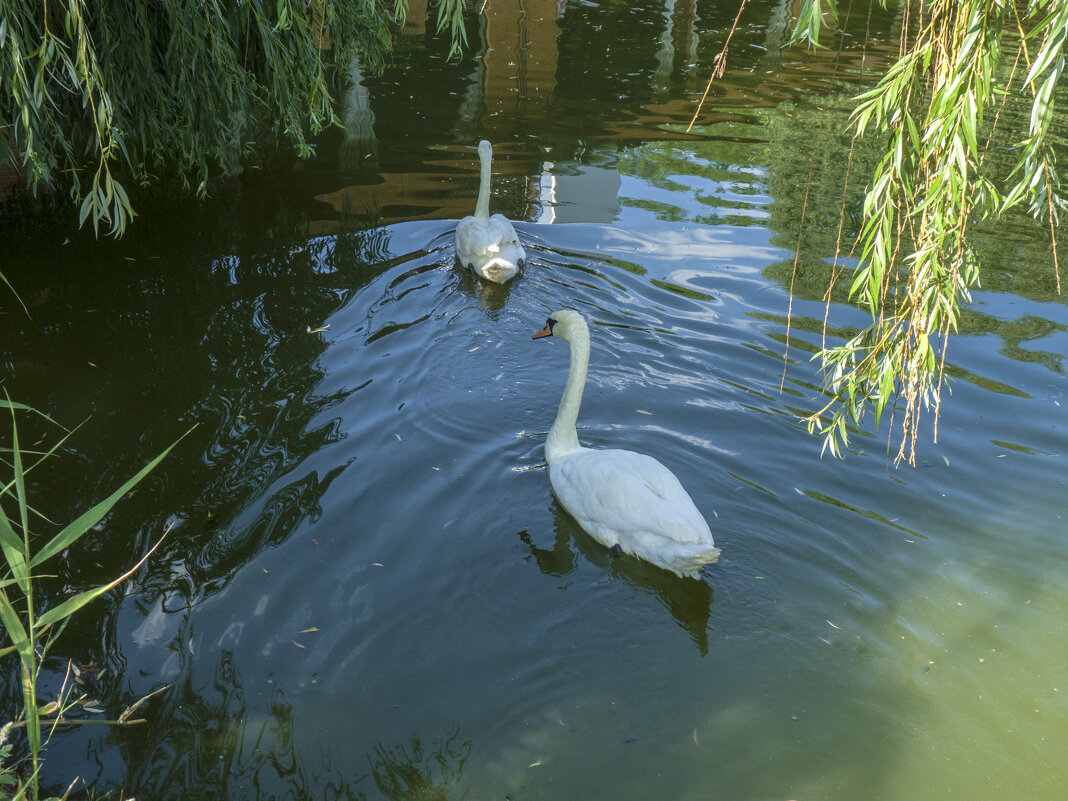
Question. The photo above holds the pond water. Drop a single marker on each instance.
(369, 592)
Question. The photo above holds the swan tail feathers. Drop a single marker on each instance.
(688, 564)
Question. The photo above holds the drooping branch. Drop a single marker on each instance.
(916, 265)
(101, 93)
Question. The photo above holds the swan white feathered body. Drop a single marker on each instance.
(621, 498)
(488, 245)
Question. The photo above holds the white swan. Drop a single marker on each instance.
(488, 245)
(627, 501)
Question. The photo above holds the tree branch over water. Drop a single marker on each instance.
(938, 109)
(98, 93)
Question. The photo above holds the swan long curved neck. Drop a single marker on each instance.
(562, 436)
(485, 157)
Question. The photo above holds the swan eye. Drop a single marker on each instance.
(551, 323)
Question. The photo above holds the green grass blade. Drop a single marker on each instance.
(72, 605)
(7, 403)
(70, 534)
(20, 640)
(16, 548)
(8, 537)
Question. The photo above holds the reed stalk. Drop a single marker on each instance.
(32, 631)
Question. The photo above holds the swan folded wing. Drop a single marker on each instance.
(627, 499)
(472, 238)
(503, 230)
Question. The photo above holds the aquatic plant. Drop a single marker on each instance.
(937, 109)
(30, 631)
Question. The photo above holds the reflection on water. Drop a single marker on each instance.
(218, 745)
(370, 593)
(687, 601)
(413, 772)
(367, 549)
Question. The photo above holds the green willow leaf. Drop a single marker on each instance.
(916, 265)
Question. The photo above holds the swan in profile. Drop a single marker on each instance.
(627, 501)
(488, 245)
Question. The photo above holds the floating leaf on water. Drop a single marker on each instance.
(317, 330)
(945, 459)
(377, 564)
(534, 764)
(124, 717)
(298, 645)
(310, 629)
(642, 411)
(476, 347)
(695, 740)
(829, 623)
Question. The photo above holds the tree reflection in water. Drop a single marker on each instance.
(209, 746)
(414, 773)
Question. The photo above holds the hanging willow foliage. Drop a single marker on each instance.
(959, 60)
(94, 93)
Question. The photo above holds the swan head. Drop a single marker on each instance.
(566, 324)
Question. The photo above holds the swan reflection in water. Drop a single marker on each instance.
(689, 602)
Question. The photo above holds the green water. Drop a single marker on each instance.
(369, 592)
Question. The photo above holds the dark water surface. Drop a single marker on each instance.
(369, 592)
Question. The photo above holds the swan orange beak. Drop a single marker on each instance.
(547, 331)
